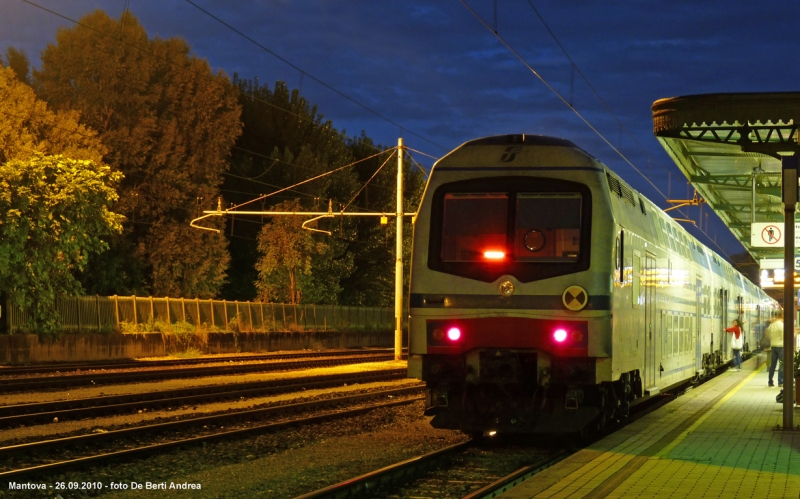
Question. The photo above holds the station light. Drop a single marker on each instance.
(560, 335)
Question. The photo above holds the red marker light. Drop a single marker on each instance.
(494, 255)
(453, 334)
(560, 335)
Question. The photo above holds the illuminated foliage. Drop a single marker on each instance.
(168, 122)
(54, 213)
(287, 252)
(27, 126)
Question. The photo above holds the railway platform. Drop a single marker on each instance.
(718, 440)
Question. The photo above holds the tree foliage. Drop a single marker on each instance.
(17, 60)
(286, 269)
(285, 141)
(27, 126)
(168, 122)
(54, 213)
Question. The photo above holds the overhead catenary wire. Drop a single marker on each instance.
(305, 73)
(571, 107)
(119, 39)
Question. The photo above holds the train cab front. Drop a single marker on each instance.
(509, 321)
(509, 374)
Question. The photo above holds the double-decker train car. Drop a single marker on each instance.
(548, 296)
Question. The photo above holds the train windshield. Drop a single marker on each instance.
(543, 227)
(530, 227)
(475, 225)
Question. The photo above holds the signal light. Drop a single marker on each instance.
(453, 334)
(494, 255)
(560, 335)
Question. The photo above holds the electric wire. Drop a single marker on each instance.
(305, 73)
(367, 182)
(577, 113)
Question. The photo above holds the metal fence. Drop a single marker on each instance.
(140, 314)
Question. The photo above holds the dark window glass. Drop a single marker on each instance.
(548, 227)
(475, 227)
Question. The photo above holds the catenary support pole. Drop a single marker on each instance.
(398, 264)
(789, 166)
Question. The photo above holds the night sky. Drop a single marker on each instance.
(434, 74)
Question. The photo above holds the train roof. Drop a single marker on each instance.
(520, 138)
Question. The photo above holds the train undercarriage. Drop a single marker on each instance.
(523, 392)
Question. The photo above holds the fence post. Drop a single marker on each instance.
(116, 310)
(183, 308)
(238, 319)
(97, 304)
(135, 319)
(250, 316)
(78, 308)
(152, 310)
(197, 324)
(283, 309)
(225, 308)
(169, 321)
(263, 327)
(211, 304)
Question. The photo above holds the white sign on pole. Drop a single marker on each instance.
(770, 234)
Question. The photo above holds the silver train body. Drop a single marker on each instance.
(548, 296)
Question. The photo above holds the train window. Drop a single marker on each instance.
(547, 227)
(475, 225)
(635, 279)
(676, 333)
(530, 227)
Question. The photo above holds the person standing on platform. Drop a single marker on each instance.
(775, 334)
(736, 343)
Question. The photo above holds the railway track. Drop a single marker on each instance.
(64, 368)
(474, 469)
(35, 458)
(100, 378)
(45, 412)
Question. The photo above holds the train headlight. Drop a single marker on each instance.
(560, 335)
(453, 334)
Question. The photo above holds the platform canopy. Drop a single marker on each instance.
(726, 144)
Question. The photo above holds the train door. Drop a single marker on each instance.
(696, 333)
(757, 329)
(723, 314)
(651, 339)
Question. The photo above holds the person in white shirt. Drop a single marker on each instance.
(775, 335)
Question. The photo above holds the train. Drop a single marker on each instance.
(548, 296)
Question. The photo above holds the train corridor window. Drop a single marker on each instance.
(475, 226)
(547, 227)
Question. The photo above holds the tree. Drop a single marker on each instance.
(168, 122)
(54, 213)
(287, 254)
(17, 60)
(27, 126)
(285, 141)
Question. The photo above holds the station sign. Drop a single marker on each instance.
(770, 235)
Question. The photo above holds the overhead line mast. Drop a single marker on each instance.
(399, 214)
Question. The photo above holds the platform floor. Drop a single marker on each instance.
(718, 440)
